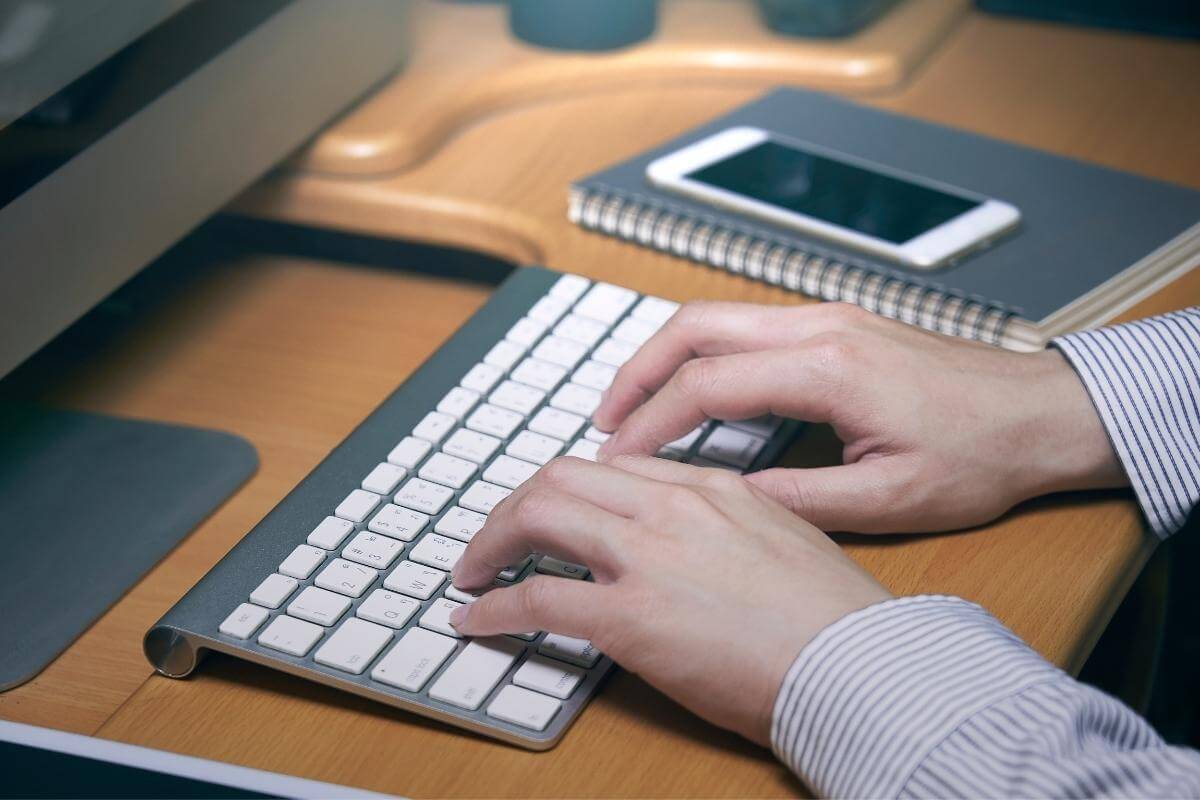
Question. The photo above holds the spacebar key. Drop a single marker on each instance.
(470, 678)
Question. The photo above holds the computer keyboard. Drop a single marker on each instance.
(346, 581)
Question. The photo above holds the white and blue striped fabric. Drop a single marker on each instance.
(933, 697)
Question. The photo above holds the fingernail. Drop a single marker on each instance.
(459, 615)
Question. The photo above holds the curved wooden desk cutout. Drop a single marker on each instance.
(292, 354)
(465, 66)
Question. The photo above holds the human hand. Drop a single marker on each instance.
(938, 433)
(703, 585)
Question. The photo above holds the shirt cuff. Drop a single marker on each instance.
(1144, 380)
(873, 694)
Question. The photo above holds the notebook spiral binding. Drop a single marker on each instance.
(662, 228)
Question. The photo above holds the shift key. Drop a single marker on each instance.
(470, 678)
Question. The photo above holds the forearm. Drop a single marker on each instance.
(930, 696)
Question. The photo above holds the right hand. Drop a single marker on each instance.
(939, 433)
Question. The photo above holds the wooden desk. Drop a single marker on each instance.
(292, 354)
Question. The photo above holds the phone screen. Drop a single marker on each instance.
(834, 191)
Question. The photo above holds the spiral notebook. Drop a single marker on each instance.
(1092, 241)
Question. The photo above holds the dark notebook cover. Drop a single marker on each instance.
(1081, 224)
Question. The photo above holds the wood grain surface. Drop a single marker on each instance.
(292, 354)
(464, 66)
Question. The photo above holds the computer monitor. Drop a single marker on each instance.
(123, 125)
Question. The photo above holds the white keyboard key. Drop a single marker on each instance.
(448, 470)
(684, 443)
(579, 652)
(523, 707)
(517, 397)
(388, 608)
(384, 478)
(302, 561)
(494, 421)
(459, 596)
(759, 426)
(594, 375)
(526, 331)
(584, 449)
(471, 676)
(509, 472)
(731, 446)
(594, 434)
(457, 402)
(346, 577)
(504, 354)
(437, 551)
(274, 589)
(319, 606)
(528, 636)
(576, 399)
(421, 495)
(411, 663)
(398, 522)
(570, 287)
(373, 549)
(613, 352)
(357, 505)
(409, 452)
(483, 497)
(511, 572)
(635, 331)
(534, 447)
(290, 635)
(414, 580)
(244, 621)
(655, 310)
(548, 565)
(471, 445)
(352, 646)
(606, 302)
(581, 329)
(549, 309)
(437, 617)
(330, 533)
(481, 378)
(557, 423)
(548, 677)
(434, 427)
(557, 350)
(461, 523)
(539, 374)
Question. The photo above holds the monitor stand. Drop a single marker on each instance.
(88, 504)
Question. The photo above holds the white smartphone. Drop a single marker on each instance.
(915, 221)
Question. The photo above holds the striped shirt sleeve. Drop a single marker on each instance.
(932, 697)
(1144, 380)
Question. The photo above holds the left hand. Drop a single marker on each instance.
(703, 585)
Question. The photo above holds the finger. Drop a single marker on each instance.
(796, 382)
(708, 329)
(859, 497)
(660, 469)
(539, 603)
(602, 485)
(542, 520)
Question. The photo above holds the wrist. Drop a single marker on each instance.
(1063, 445)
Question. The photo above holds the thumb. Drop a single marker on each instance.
(859, 497)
